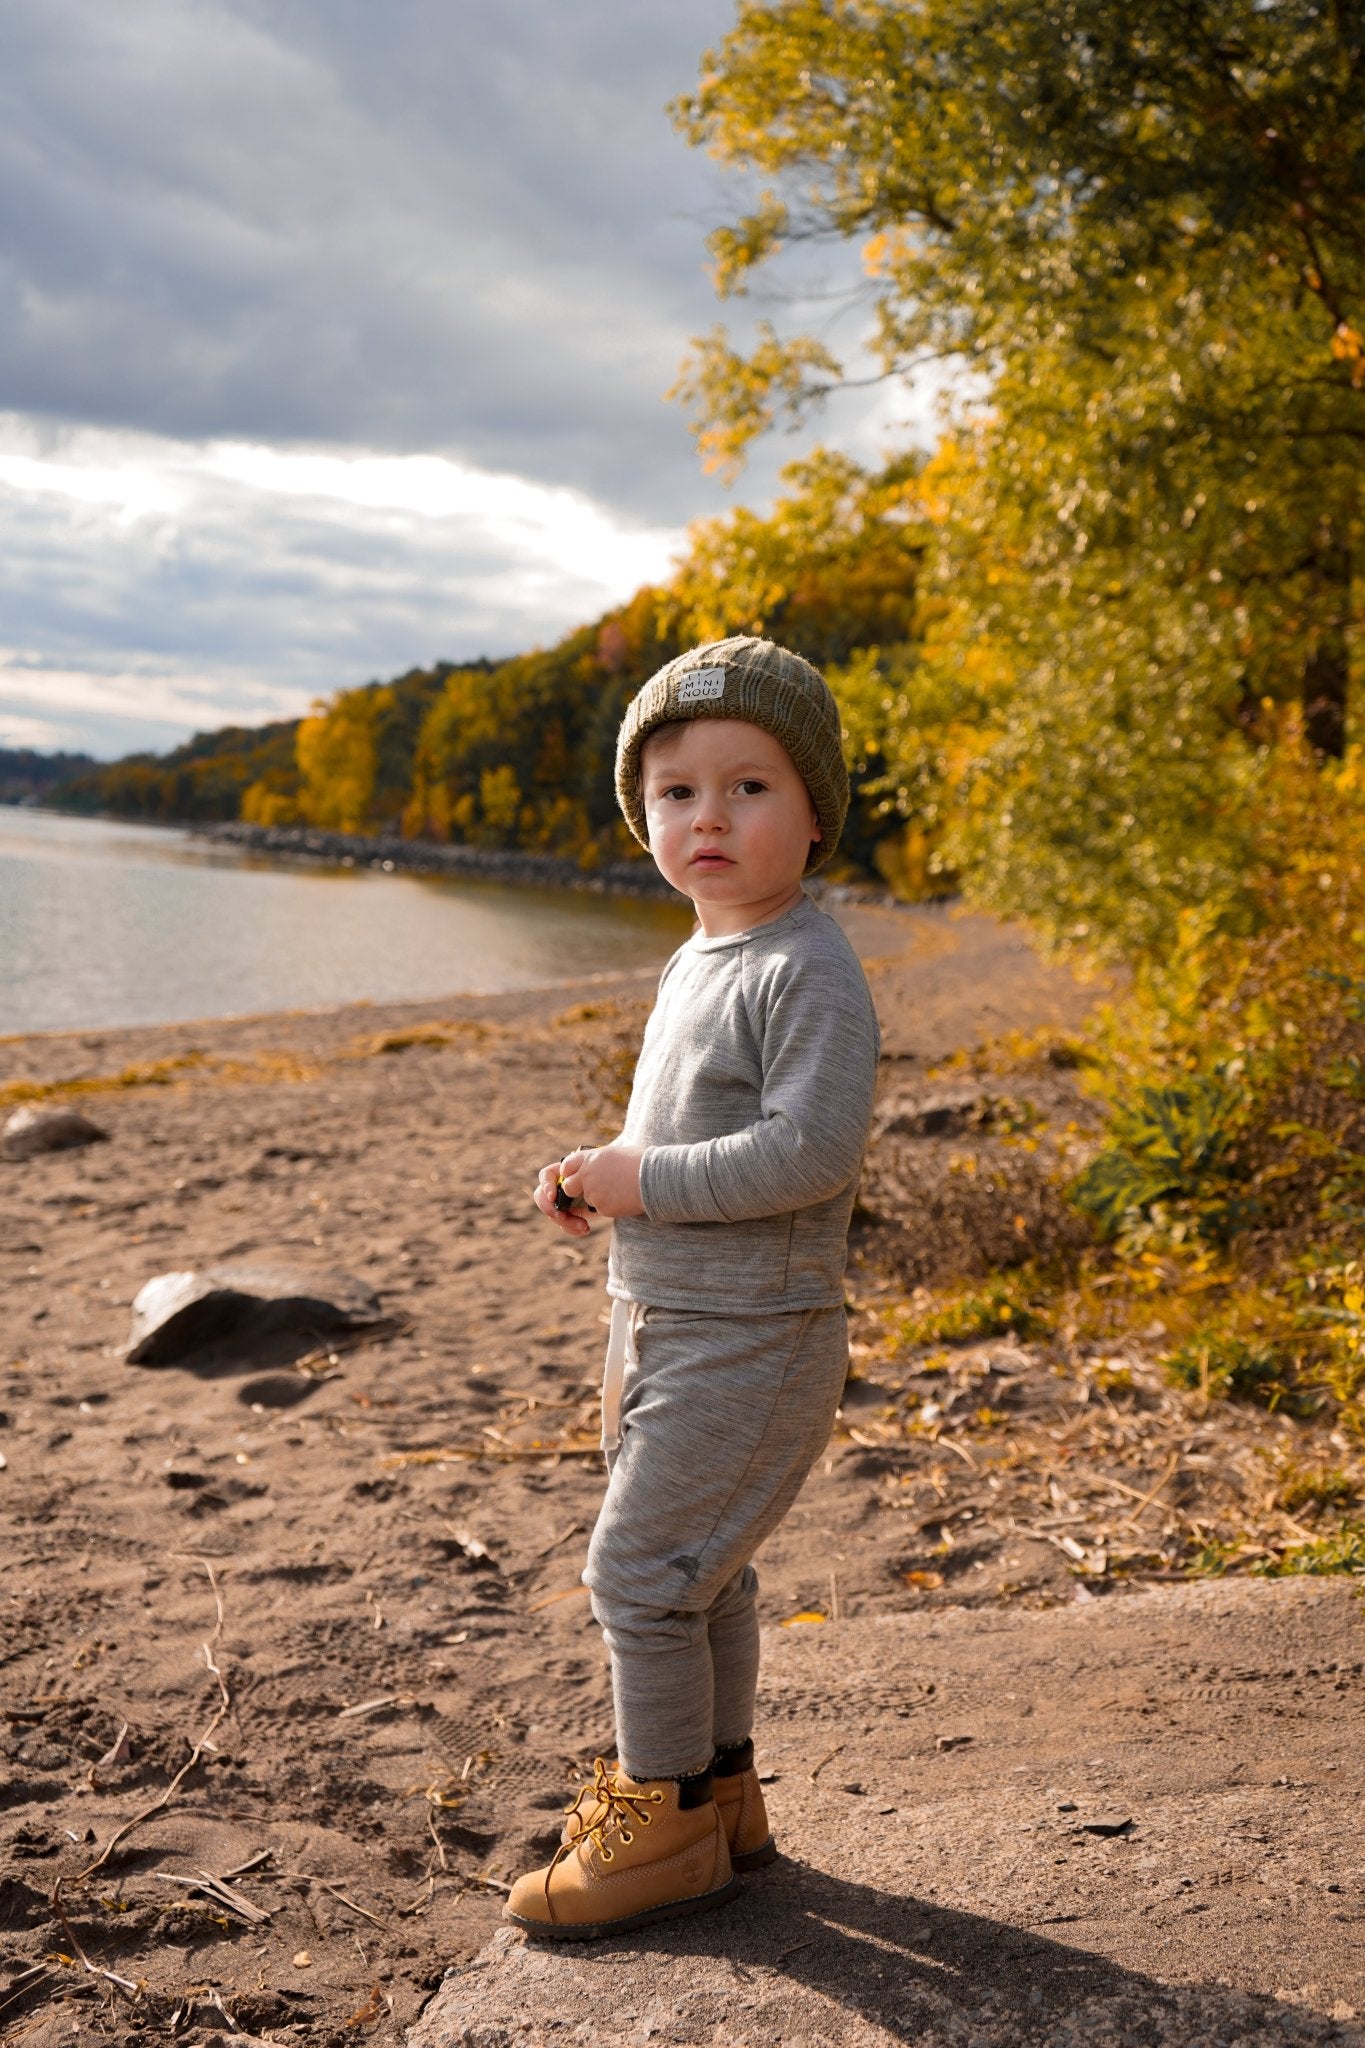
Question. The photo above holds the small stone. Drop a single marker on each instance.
(303, 1961)
(1107, 1824)
(946, 1742)
(855, 1788)
(1067, 1806)
(31, 1130)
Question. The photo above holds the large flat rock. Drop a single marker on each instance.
(1152, 1834)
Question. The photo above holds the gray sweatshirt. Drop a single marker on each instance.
(752, 1098)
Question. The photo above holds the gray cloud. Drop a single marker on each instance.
(467, 228)
(186, 593)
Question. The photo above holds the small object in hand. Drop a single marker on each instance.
(564, 1200)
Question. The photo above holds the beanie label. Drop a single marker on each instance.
(700, 684)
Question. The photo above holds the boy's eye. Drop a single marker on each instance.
(751, 786)
(677, 791)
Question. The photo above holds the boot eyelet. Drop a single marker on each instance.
(607, 1855)
(646, 1820)
(625, 1837)
(657, 1797)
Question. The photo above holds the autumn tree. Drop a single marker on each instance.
(1145, 235)
(336, 757)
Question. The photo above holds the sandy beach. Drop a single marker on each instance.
(356, 1562)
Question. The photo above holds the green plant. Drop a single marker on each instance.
(1213, 1560)
(1323, 1486)
(1166, 1145)
(1342, 1552)
(998, 1307)
(1225, 1364)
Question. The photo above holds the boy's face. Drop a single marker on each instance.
(730, 820)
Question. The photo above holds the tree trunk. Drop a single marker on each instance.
(1326, 672)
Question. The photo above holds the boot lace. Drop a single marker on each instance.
(595, 1796)
(617, 1810)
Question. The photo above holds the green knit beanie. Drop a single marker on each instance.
(754, 680)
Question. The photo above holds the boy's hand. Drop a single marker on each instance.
(606, 1177)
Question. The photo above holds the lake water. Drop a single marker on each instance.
(106, 924)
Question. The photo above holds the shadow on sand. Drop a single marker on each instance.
(920, 1972)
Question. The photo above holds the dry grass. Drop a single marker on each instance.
(141, 1074)
(441, 1032)
(257, 1068)
(1091, 1451)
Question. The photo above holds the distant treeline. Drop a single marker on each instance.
(26, 776)
(519, 753)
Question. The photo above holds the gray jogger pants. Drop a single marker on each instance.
(721, 1420)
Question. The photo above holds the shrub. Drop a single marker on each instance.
(1235, 1074)
(1166, 1144)
(1333, 1302)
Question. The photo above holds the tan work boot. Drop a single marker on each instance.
(739, 1797)
(648, 1851)
(737, 1794)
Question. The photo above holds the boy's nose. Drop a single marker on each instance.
(710, 816)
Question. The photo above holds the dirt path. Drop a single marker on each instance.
(394, 1532)
(1130, 1821)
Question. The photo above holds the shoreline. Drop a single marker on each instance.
(389, 854)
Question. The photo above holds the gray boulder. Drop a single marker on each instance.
(35, 1129)
(178, 1314)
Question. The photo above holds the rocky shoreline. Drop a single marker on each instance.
(391, 854)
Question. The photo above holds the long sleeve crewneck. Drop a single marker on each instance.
(752, 1099)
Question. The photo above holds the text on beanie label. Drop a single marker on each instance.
(701, 683)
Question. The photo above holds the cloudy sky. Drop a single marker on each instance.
(333, 341)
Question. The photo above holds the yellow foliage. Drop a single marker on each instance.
(262, 805)
(499, 800)
(336, 758)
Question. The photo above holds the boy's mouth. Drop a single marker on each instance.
(709, 859)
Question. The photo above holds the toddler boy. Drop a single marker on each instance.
(731, 1187)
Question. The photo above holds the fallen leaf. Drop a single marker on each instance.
(807, 1614)
(117, 1755)
(928, 1580)
(549, 1599)
(303, 1961)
